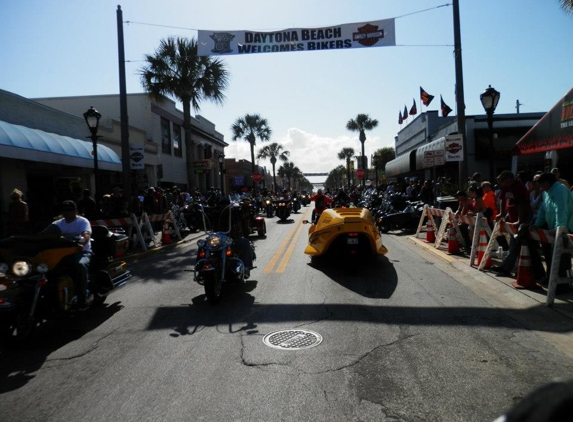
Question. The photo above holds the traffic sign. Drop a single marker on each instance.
(257, 177)
(360, 173)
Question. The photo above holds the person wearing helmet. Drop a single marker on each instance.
(321, 202)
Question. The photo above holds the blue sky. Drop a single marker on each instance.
(522, 48)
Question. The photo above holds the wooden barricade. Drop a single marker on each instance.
(501, 228)
(162, 217)
(430, 213)
(563, 244)
(480, 223)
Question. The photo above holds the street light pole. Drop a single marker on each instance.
(222, 172)
(489, 99)
(92, 117)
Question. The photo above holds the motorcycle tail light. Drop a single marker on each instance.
(207, 267)
(228, 252)
(353, 234)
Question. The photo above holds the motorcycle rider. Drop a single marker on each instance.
(71, 227)
(321, 201)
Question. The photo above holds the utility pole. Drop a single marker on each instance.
(460, 101)
(517, 104)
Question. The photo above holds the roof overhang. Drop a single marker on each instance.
(24, 143)
(553, 131)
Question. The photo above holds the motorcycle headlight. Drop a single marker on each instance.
(214, 241)
(42, 268)
(21, 268)
(3, 267)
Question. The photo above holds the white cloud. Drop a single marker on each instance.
(311, 153)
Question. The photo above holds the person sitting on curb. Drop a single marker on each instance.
(515, 210)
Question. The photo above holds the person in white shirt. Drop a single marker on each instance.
(74, 227)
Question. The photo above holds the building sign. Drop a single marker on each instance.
(237, 180)
(202, 166)
(434, 158)
(454, 148)
(380, 33)
(136, 157)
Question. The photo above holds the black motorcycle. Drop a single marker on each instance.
(295, 204)
(406, 220)
(37, 282)
(282, 208)
(219, 256)
(269, 207)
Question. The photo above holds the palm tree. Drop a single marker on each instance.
(175, 70)
(335, 177)
(249, 128)
(273, 151)
(289, 170)
(347, 154)
(567, 5)
(360, 124)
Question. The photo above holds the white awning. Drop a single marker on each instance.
(24, 143)
(399, 165)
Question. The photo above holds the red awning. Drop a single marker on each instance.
(553, 131)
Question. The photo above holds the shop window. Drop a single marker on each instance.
(177, 149)
(165, 136)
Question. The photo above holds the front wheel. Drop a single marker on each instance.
(22, 326)
(213, 286)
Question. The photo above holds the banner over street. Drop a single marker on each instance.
(379, 33)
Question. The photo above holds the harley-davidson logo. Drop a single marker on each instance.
(136, 156)
(368, 35)
(454, 148)
(222, 42)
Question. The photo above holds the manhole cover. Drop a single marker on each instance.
(292, 339)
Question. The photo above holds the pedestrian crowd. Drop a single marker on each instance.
(527, 202)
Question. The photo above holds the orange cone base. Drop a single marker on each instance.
(518, 286)
(488, 263)
(524, 280)
(430, 235)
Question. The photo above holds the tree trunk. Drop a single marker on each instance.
(273, 162)
(189, 145)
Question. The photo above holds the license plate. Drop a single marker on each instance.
(352, 241)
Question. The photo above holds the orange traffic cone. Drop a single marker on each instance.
(453, 246)
(166, 234)
(430, 235)
(525, 278)
(482, 246)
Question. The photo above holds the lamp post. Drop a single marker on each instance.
(489, 99)
(92, 117)
(222, 172)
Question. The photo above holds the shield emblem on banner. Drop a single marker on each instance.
(368, 35)
(222, 42)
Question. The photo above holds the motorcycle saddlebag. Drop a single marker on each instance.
(109, 243)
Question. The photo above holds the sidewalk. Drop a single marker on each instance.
(563, 301)
(158, 246)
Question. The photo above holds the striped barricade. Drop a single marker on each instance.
(480, 223)
(430, 213)
(162, 217)
(455, 220)
(501, 228)
(563, 244)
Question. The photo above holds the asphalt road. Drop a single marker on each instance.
(408, 337)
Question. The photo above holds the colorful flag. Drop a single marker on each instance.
(425, 97)
(445, 108)
(400, 119)
(405, 114)
(413, 109)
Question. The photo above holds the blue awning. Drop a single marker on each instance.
(24, 143)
